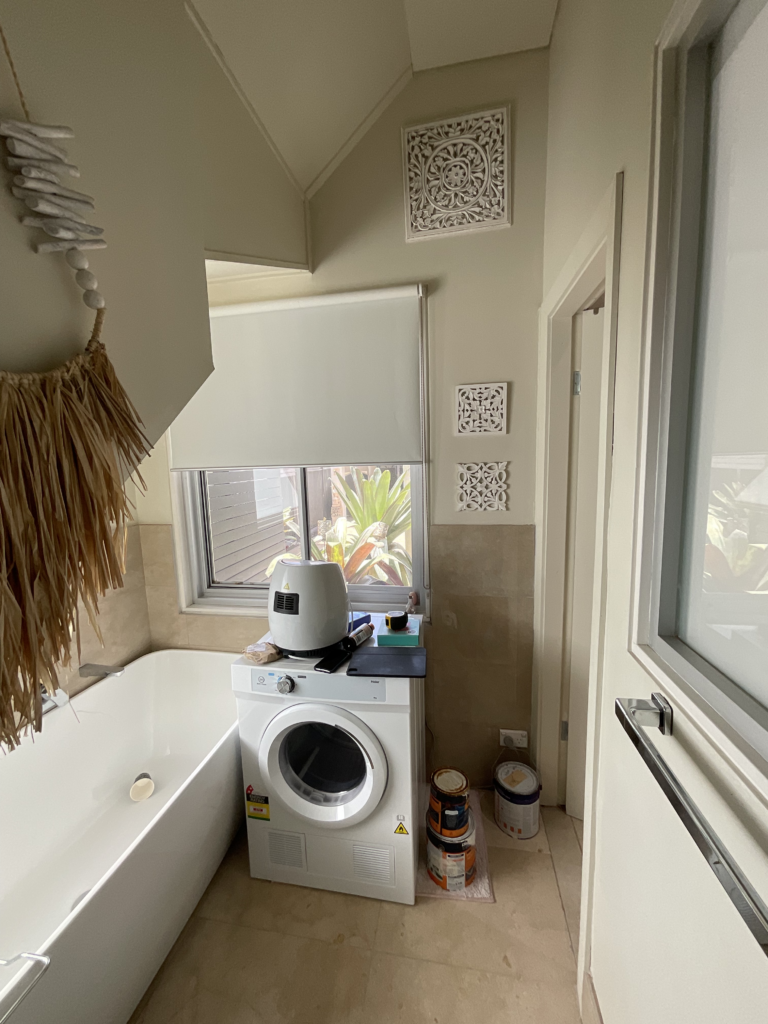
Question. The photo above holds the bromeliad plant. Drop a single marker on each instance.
(365, 543)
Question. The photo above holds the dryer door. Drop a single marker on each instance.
(324, 764)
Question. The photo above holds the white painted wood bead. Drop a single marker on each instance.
(54, 188)
(43, 131)
(63, 222)
(23, 144)
(57, 166)
(42, 204)
(77, 243)
(76, 259)
(93, 299)
(86, 280)
(37, 172)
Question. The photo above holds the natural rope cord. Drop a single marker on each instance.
(12, 66)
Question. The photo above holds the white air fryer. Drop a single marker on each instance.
(308, 606)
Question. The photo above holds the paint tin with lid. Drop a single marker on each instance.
(448, 813)
(451, 861)
(516, 796)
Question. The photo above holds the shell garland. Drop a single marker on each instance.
(37, 164)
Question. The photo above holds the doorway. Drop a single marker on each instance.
(583, 465)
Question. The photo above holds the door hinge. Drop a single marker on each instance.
(563, 730)
(577, 382)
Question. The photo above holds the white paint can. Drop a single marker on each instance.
(516, 799)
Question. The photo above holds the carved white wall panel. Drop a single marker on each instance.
(481, 486)
(481, 408)
(457, 174)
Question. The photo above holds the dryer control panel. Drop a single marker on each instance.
(295, 684)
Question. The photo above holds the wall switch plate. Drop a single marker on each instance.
(518, 737)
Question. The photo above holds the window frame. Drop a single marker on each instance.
(680, 144)
(198, 594)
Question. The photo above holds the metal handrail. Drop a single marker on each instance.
(39, 958)
(632, 713)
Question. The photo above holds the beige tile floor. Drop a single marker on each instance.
(257, 952)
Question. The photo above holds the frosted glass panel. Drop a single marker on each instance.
(724, 581)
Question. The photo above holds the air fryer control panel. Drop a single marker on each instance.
(316, 685)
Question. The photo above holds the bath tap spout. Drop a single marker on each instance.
(89, 669)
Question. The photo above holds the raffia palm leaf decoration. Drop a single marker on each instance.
(68, 440)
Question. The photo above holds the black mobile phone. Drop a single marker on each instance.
(333, 660)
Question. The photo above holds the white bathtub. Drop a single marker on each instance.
(100, 884)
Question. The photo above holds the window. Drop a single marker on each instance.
(705, 553)
(240, 522)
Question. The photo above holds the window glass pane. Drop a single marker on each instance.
(724, 581)
(253, 521)
(360, 517)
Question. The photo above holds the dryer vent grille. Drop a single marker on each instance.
(373, 864)
(287, 850)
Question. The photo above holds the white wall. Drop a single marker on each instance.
(484, 288)
(176, 165)
(667, 945)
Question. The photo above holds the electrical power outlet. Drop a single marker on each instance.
(518, 737)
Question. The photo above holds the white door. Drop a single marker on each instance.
(582, 516)
(324, 764)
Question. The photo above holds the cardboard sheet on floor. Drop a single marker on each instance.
(481, 890)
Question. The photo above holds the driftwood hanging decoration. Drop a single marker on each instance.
(69, 439)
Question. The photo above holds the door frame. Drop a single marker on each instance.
(594, 260)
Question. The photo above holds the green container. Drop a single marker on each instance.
(408, 637)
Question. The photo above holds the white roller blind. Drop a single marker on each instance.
(325, 380)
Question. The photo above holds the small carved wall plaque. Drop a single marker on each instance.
(481, 408)
(457, 174)
(481, 486)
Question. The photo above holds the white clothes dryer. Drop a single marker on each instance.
(333, 770)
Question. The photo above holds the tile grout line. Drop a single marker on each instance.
(562, 904)
(573, 826)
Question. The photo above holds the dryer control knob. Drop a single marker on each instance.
(285, 684)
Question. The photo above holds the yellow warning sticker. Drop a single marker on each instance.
(401, 830)
(256, 805)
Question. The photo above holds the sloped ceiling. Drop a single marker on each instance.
(452, 31)
(317, 73)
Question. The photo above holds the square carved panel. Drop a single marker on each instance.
(481, 408)
(481, 486)
(457, 174)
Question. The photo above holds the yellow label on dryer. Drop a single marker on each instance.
(256, 805)
(401, 830)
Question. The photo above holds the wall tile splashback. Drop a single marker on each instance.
(123, 621)
(480, 643)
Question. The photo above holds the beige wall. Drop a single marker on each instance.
(175, 165)
(667, 946)
(484, 288)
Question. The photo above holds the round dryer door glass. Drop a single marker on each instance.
(322, 763)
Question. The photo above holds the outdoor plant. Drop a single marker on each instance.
(732, 561)
(365, 541)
